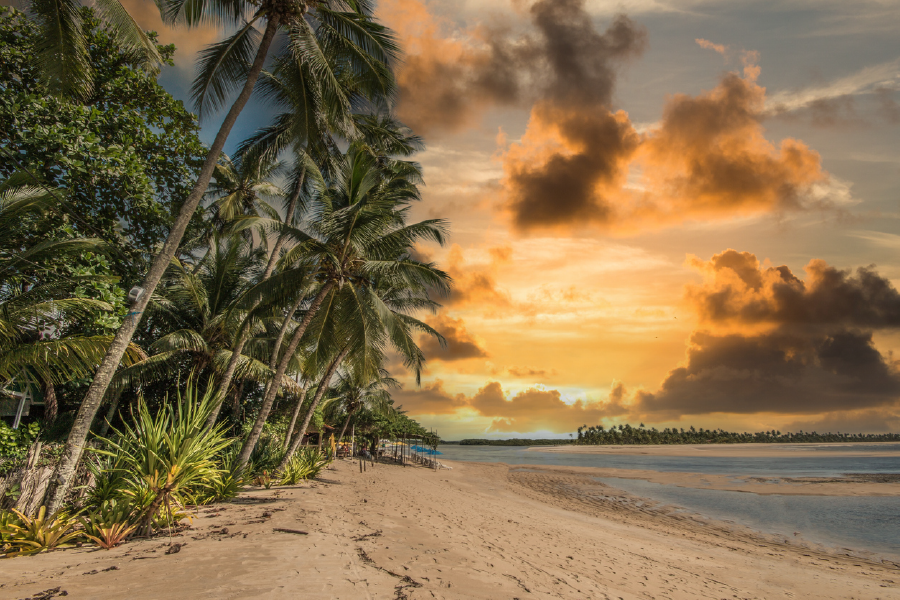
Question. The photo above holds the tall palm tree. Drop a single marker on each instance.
(359, 243)
(307, 128)
(314, 29)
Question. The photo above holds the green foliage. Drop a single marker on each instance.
(14, 443)
(31, 535)
(228, 481)
(128, 153)
(268, 452)
(305, 464)
(161, 458)
(110, 524)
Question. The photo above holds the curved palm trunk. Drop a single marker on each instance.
(275, 384)
(110, 413)
(323, 385)
(346, 422)
(290, 430)
(242, 337)
(65, 472)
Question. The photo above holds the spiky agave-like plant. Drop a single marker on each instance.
(167, 453)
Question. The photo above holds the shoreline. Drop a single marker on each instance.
(762, 486)
(804, 449)
(480, 530)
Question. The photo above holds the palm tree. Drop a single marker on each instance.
(314, 30)
(35, 312)
(359, 244)
(203, 303)
(244, 188)
(61, 58)
(307, 128)
(353, 394)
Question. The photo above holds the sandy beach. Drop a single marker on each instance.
(476, 531)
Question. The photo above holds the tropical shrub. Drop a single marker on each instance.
(31, 535)
(305, 464)
(227, 483)
(164, 457)
(267, 455)
(263, 480)
(110, 524)
(14, 443)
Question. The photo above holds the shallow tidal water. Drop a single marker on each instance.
(870, 524)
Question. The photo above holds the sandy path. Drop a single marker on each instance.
(478, 531)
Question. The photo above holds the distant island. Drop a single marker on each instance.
(626, 434)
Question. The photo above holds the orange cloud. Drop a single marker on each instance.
(538, 410)
(710, 159)
(460, 343)
(738, 291)
(430, 399)
(780, 344)
(711, 46)
(569, 166)
(474, 285)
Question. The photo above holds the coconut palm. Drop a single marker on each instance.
(196, 313)
(244, 188)
(352, 394)
(314, 30)
(359, 244)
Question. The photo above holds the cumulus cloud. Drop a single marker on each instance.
(430, 399)
(581, 162)
(776, 373)
(772, 342)
(476, 284)
(738, 290)
(461, 344)
(537, 409)
(710, 158)
(707, 159)
(450, 77)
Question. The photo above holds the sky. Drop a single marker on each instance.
(669, 212)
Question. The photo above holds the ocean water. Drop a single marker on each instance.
(831, 463)
(870, 524)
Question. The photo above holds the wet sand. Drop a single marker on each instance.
(476, 531)
(855, 485)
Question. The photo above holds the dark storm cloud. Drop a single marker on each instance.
(782, 344)
(460, 343)
(775, 372)
(739, 290)
(446, 83)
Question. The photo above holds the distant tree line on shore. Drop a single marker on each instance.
(626, 434)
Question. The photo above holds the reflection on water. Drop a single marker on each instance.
(863, 523)
(830, 464)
